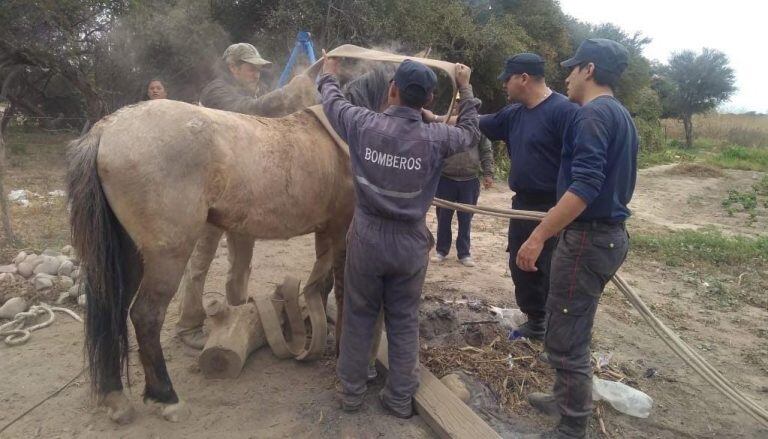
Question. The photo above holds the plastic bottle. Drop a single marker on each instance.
(623, 398)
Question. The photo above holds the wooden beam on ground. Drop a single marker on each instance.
(443, 411)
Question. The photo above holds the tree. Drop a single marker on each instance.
(694, 83)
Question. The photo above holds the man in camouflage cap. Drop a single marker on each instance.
(234, 89)
(236, 85)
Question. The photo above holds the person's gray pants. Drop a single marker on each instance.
(386, 265)
(585, 259)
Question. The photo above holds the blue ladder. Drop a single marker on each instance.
(303, 43)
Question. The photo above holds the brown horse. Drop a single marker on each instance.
(144, 183)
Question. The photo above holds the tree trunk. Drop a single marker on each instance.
(688, 125)
(236, 331)
(7, 229)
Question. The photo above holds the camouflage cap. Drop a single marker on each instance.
(246, 53)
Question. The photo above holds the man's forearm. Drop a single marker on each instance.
(567, 209)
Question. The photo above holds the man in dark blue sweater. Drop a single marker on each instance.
(595, 183)
(532, 127)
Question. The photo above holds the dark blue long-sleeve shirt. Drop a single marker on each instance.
(396, 158)
(599, 162)
(534, 138)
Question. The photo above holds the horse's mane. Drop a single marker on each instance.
(370, 89)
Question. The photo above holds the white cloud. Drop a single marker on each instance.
(737, 28)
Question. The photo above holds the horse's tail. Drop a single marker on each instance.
(109, 264)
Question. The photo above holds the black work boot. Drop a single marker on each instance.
(533, 329)
(570, 427)
(402, 414)
(545, 403)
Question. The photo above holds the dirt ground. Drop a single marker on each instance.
(273, 398)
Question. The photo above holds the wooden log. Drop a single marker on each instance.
(236, 331)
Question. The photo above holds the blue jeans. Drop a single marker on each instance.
(465, 192)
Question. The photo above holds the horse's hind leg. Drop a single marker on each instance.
(119, 408)
(162, 273)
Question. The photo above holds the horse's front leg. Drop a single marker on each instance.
(239, 255)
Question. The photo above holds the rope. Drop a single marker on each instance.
(678, 346)
(16, 334)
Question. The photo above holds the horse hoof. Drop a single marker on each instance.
(175, 412)
(119, 409)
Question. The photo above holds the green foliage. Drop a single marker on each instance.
(694, 83)
(648, 158)
(710, 247)
(110, 49)
(740, 157)
(651, 135)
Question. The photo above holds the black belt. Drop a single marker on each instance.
(535, 198)
(596, 224)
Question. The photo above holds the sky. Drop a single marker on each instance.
(737, 28)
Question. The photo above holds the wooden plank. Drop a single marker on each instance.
(443, 411)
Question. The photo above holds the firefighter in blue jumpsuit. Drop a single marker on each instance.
(396, 160)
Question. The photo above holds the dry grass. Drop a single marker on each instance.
(696, 170)
(735, 129)
(36, 163)
(511, 369)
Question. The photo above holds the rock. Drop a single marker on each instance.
(6, 277)
(26, 269)
(65, 269)
(12, 307)
(81, 300)
(66, 282)
(50, 266)
(50, 252)
(62, 258)
(75, 274)
(62, 298)
(75, 290)
(68, 250)
(10, 268)
(454, 383)
(34, 260)
(20, 257)
(43, 282)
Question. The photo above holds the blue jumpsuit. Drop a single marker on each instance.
(396, 162)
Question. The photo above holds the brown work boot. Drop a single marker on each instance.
(192, 337)
(545, 403)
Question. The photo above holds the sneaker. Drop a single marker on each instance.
(438, 257)
(372, 372)
(467, 261)
(545, 403)
(533, 329)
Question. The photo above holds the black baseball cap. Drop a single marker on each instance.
(529, 63)
(415, 79)
(605, 54)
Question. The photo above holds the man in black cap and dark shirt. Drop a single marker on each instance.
(396, 159)
(532, 126)
(595, 183)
